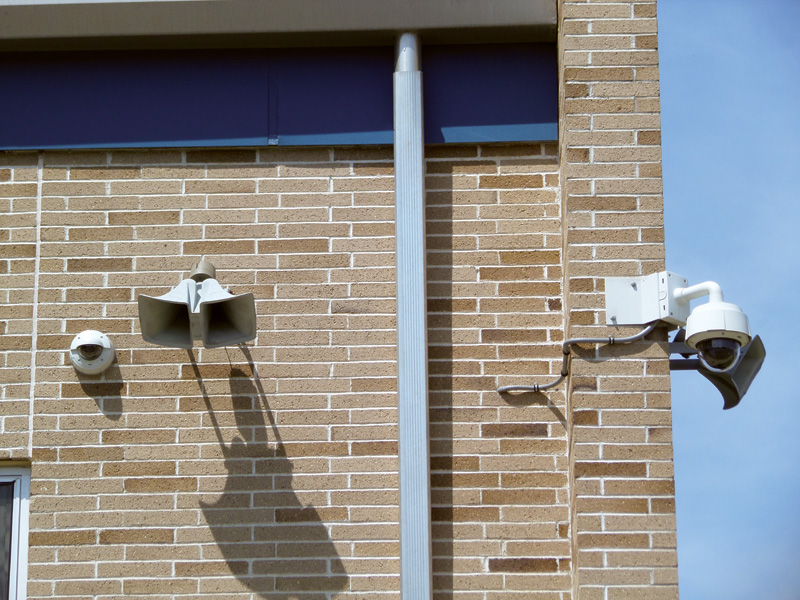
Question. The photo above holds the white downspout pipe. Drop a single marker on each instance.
(412, 327)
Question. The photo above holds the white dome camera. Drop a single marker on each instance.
(718, 332)
(717, 329)
(91, 352)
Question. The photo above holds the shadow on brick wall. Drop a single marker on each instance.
(535, 399)
(106, 390)
(492, 456)
(272, 543)
(446, 517)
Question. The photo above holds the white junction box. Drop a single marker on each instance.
(641, 300)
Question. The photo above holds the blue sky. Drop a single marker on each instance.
(730, 85)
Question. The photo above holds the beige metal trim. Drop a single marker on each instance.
(270, 23)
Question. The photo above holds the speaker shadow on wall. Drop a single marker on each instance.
(273, 544)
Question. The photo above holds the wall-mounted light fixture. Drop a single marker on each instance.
(718, 332)
(198, 308)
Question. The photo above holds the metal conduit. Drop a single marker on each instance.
(412, 328)
(566, 348)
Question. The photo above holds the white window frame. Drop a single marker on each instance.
(18, 573)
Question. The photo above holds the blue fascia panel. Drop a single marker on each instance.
(210, 143)
(353, 138)
(129, 99)
(451, 135)
(531, 132)
(342, 93)
(289, 97)
(483, 90)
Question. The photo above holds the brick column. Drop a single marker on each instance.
(621, 453)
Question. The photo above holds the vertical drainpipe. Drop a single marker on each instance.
(412, 325)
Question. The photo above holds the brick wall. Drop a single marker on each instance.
(271, 470)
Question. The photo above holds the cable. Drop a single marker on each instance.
(566, 349)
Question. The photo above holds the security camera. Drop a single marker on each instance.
(717, 329)
(91, 352)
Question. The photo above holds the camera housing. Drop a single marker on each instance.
(717, 330)
(91, 352)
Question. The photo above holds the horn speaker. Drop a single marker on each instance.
(198, 308)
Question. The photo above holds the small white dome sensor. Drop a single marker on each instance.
(91, 352)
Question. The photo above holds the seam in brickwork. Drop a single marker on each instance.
(567, 299)
(35, 300)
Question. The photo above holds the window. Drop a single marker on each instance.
(15, 484)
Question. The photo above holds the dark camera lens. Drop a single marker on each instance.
(719, 353)
(90, 351)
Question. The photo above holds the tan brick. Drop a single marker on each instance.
(292, 246)
(63, 538)
(514, 430)
(160, 217)
(136, 536)
(647, 42)
(640, 487)
(18, 190)
(511, 181)
(128, 468)
(613, 540)
(219, 247)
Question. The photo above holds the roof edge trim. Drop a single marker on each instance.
(264, 23)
